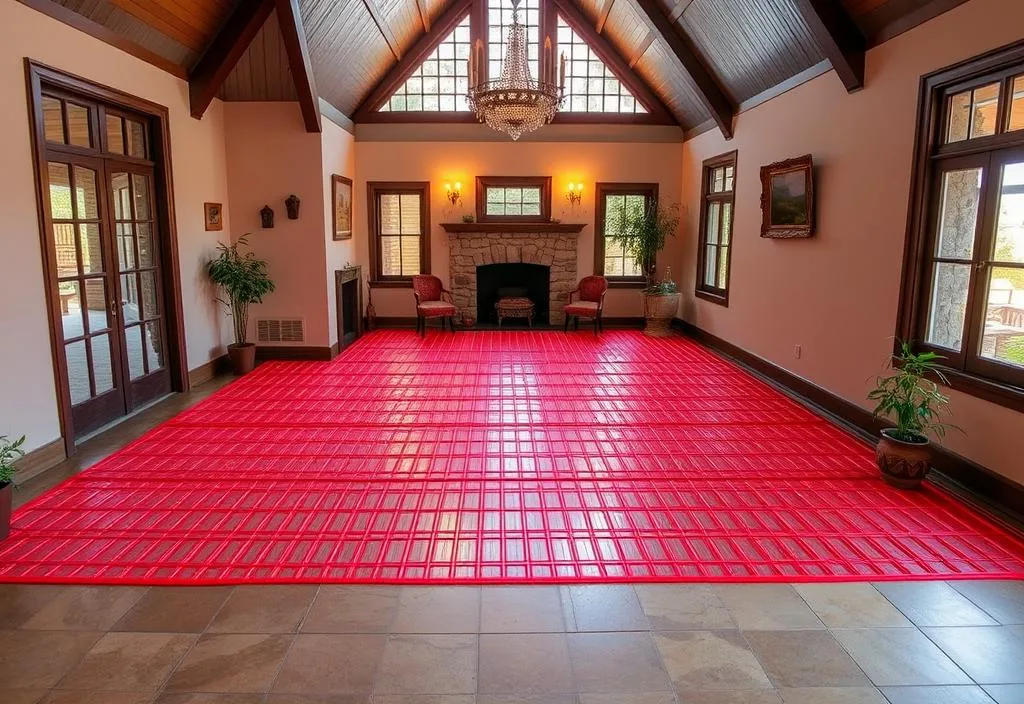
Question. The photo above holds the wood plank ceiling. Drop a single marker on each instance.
(716, 54)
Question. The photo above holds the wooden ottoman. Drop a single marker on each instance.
(514, 307)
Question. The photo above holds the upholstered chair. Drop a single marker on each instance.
(588, 303)
(433, 300)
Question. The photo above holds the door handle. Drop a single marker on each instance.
(113, 309)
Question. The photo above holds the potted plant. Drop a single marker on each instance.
(912, 401)
(245, 281)
(10, 450)
(641, 229)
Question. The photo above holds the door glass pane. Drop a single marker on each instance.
(71, 308)
(1010, 220)
(133, 340)
(1003, 336)
(78, 126)
(78, 372)
(103, 370)
(122, 198)
(948, 304)
(89, 242)
(85, 194)
(130, 298)
(154, 345)
(1017, 106)
(712, 233)
(64, 246)
(710, 265)
(96, 304)
(136, 139)
(53, 121)
(60, 191)
(149, 297)
(115, 137)
(125, 246)
(958, 214)
(141, 186)
(146, 249)
(985, 115)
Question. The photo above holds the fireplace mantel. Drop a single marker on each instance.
(526, 228)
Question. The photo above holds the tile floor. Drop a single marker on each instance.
(905, 643)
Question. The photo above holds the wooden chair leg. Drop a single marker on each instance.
(451, 322)
(595, 326)
(576, 323)
(565, 325)
(421, 324)
(600, 323)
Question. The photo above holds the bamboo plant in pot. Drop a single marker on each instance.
(10, 450)
(641, 227)
(244, 280)
(911, 400)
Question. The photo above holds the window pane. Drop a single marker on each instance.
(101, 365)
(60, 191)
(71, 309)
(730, 177)
(958, 215)
(115, 137)
(710, 265)
(89, 242)
(1003, 337)
(948, 304)
(723, 267)
(136, 139)
(78, 372)
(1017, 106)
(150, 309)
(410, 256)
(96, 305)
(631, 267)
(726, 222)
(1010, 223)
(85, 190)
(133, 340)
(390, 256)
(718, 183)
(154, 346)
(613, 265)
(985, 113)
(712, 232)
(141, 186)
(390, 217)
(410, 204)
(131, 306)
(590, 85)
(78, 125)
(64, 245)
(959, 117)
(424, 91)
(53, 121)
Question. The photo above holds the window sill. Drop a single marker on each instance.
(626, 283)
(722, 300)
(996, 392)
(391, 284)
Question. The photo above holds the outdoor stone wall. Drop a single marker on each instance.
(468, 251)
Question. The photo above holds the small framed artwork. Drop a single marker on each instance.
(787, 198)
(214, 216)
(341, 195)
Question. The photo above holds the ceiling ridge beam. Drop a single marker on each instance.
(289, 18)
(219, 59)
(412, 59)
(618, 64)
(838, 37)
(711, 95)
(384, 27)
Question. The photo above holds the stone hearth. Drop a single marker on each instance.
(554, 250)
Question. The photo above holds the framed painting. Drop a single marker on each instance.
(341, 196)
(787, 198)
(213, 216)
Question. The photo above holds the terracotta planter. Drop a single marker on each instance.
(660, 311)
(243, 358)
(903, 464)
(5, 510)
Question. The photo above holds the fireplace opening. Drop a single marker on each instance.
(497, 281)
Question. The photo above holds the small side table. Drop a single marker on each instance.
(515, 307)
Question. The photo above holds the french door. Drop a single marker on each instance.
(103, 231)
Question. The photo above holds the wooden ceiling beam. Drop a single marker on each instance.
(384, 27)
(642, 49)
(711, 95)
(602, 19)
(424, 17)
(838, 37)
(290, 19)
(227, 48)
(678, 10)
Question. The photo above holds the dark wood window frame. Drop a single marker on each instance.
(707, 197)
(485, 182)
(968, 371)
(375, 189)
(601, 190)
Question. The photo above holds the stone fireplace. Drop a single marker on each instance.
(551, 245)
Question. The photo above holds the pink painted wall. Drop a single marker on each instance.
(28, 401)
(836, 295)
(443, 162)
(338, 156)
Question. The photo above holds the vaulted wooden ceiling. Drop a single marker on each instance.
(703, 59)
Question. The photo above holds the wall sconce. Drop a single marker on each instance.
(574, 194)
(453, 193)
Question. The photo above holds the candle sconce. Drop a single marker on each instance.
(574, 194)
(453, 193)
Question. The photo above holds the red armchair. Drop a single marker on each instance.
(590, 303)
(433, 300)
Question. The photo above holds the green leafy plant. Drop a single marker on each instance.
(10, 451)
(909, 398)
(468, 218)
(641, 229)
(244, 279)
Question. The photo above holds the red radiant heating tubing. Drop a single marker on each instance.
(509, 457)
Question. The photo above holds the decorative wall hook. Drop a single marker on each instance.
(292, 204)
(267, 217)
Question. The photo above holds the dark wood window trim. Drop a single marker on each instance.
(374, 190)
(485, 182)
(601, 191)
(969, 373)
(702, 290)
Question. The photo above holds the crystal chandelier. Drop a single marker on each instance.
(515, 103)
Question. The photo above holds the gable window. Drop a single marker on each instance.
(441, 82)
(610, 258)
(718, 196)
(499, 21)
(513, 198)
(589, 85)
(964, 272)
(399, 226)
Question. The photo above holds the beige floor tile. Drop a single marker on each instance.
(1002, 599)
(989, 654)
(208, 698)
(899, 656)
(174, 610)
(331, 663)
(521, 610)
(352, 609)
(832, 695)
(628, 698)
(238, 662)
(39, 659)
(85, 609)
(607, 607)
(129, 662)
(766, 607)
(525, 664)
(318, 699)
(617, 662)
(805, 659)
(21, 696)
(964, 694)
(851, 605)
(19, 602)
(428, 664)
(84, 697)
(424, 699)
(707, 660)
(1006, 693)
(736, 696)
(933, 604)
(264, 609)
(681, 607)
(437, 610)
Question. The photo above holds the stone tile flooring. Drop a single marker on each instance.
(905, 643)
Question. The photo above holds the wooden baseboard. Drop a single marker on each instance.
(615, 322)
(204, 372)
(980, 485)
(623, 322)
(312, 354)
(395, 322)
(39, 460)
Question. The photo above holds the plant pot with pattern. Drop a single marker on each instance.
(909, 398)
(10, 451)
(244, 280)
(661, 301)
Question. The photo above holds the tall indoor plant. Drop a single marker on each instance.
(10, 451)
(910, 399)
(641, 228)
(245, 280)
